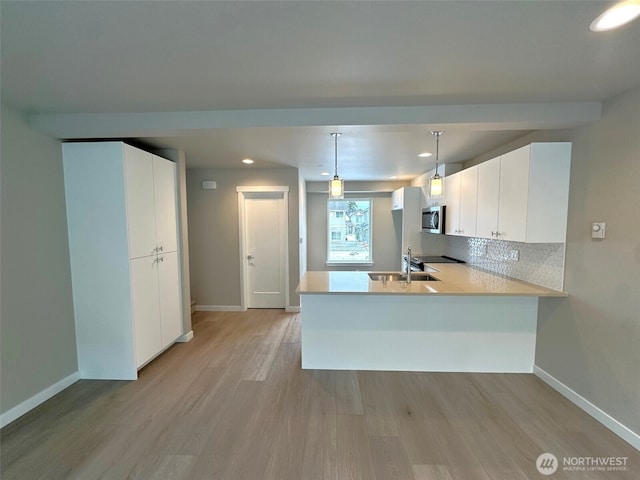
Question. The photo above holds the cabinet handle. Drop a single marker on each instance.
(160, 259)
(160, 249)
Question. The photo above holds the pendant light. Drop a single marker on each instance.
(436, 183)
(336, 184)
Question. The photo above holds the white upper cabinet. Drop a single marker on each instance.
(488, 196)
(397, 199)
(461, 191)
(514, 193)
(468, 201)
(452, 202)
(523, 196)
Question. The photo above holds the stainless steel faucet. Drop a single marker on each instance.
(409, 264)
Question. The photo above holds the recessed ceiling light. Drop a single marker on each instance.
(248, 161)
(618, 15)
(425, 154)
(393, 177)
(325, 174)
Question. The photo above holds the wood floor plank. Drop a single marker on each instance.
(348, 398)
(377, 409)
(355, 461)
(192, 415)
(431, 472)
(320, 444)
(173, 467)
(390, 460)
(292, 333)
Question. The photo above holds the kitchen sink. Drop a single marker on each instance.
(401, 277)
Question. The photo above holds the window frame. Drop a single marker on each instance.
(337, 262)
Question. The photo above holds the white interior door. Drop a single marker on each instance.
(265, 249)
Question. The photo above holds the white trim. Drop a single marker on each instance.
(220, 308)
(187, 337)
(29, 404)
(245, 188)
(600, 415)
(292, 309)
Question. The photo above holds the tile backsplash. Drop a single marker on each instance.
(539, 263)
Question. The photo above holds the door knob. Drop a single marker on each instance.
(250, 257)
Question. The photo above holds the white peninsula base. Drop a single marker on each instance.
(434, 333)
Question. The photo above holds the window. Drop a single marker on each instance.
(349, 231)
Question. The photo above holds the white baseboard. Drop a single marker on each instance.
(219, 308)
(603, 417)
(236, 308)
(29, 404)
(185, 338)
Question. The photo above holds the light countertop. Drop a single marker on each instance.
(455, 279)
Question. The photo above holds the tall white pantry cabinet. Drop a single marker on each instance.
(123, 244)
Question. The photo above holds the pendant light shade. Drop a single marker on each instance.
(436, 183)
(336, 184)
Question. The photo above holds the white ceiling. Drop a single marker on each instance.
(270, 80)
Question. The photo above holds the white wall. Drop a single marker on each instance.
(38, 333)
(214, 239)
(590, 341)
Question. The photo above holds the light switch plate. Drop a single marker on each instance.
(598, 229)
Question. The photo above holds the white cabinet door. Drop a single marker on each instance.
(514, 192)
(164, 184)
(452, 202)
(468, 201)
(141, 223)
(146, 311)
(488, 196)
(397, 199)
(169, 288)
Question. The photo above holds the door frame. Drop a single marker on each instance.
(242, 191)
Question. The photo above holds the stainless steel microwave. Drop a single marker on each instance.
(433, 219)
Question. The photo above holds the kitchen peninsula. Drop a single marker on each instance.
(468, 320)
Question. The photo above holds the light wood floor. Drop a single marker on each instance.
(234, 404)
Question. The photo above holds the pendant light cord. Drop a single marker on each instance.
(335, 137)
(437, 133)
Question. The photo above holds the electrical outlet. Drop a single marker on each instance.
(514, 255)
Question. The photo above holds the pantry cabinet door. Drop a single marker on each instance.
(170, 305)
(146, 311)
(141, 223)
(164, 179)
